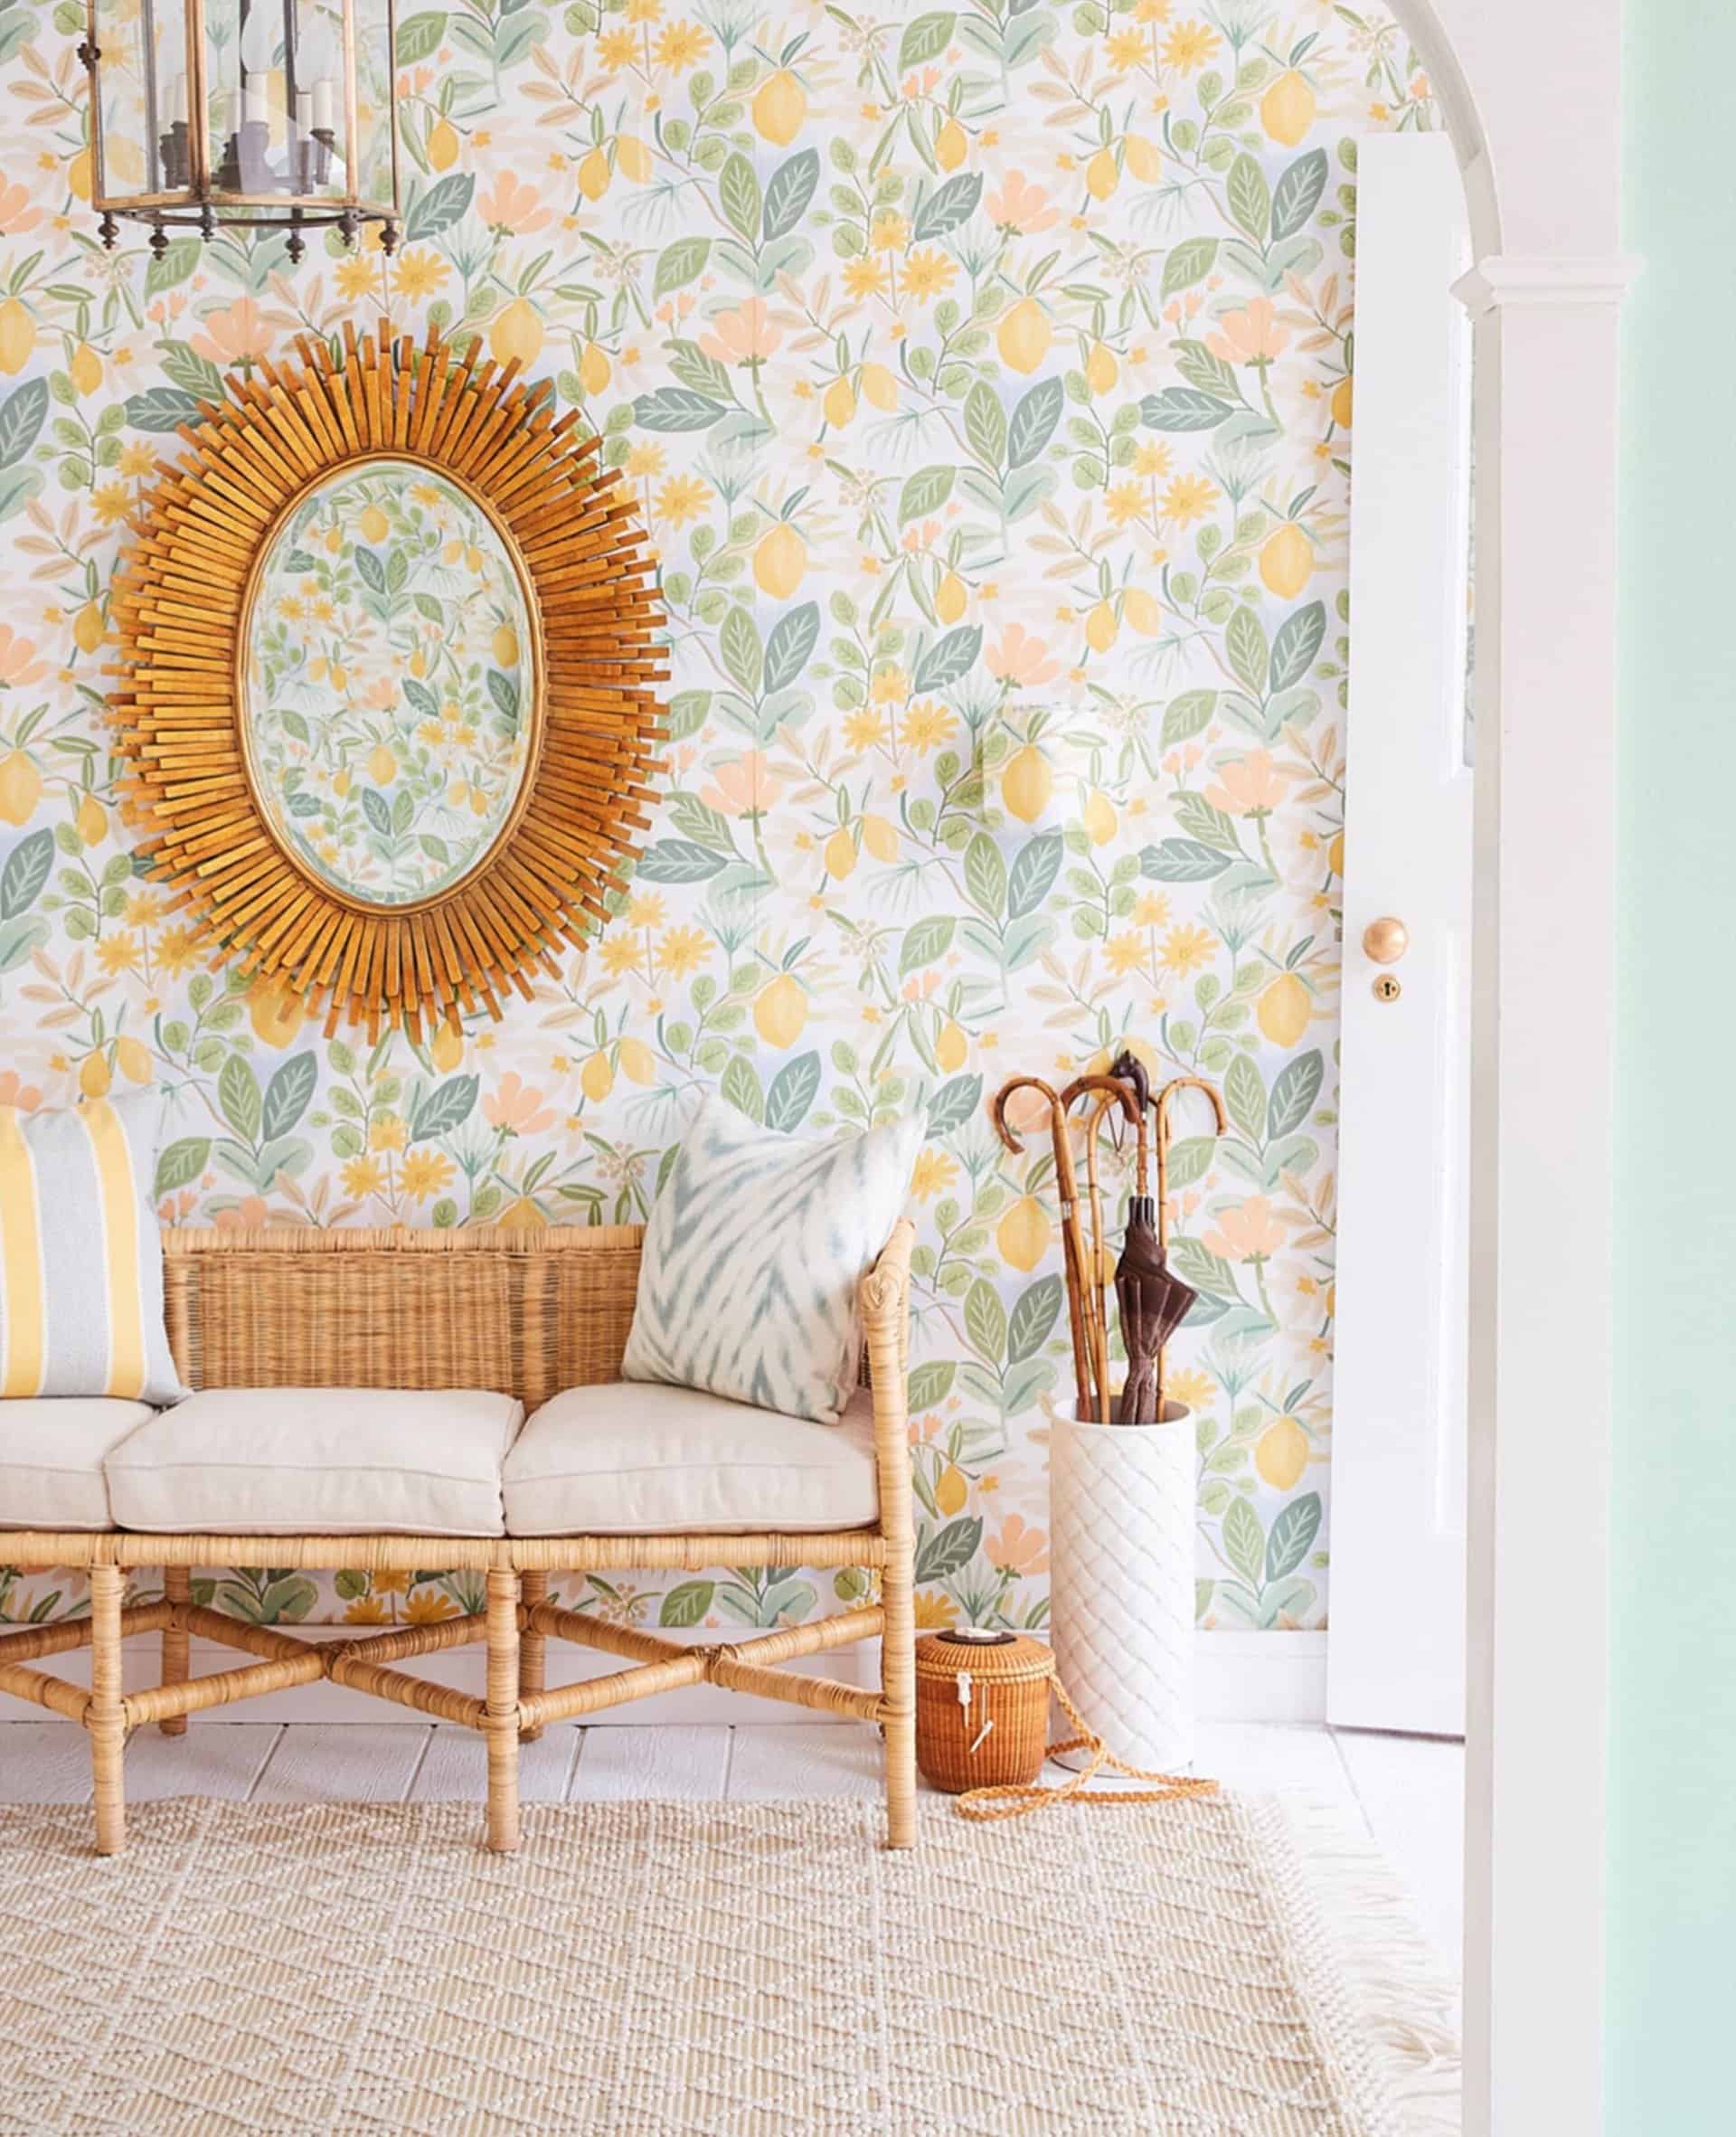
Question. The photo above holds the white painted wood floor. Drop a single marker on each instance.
(1408, 1789)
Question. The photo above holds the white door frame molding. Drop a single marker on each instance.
(1535, 115)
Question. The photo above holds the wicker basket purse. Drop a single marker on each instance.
(982, 1728)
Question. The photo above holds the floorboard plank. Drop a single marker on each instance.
(344, 1763)
(223, 1759)
(456, 1769)
(806, 1759)
(623, 1764)
(1412, 1792)
(44, 1763)
(1267, 1755)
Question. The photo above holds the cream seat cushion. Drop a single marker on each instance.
(633, 1458)
(318, 1461)
(52, 1452)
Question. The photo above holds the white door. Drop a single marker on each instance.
(1396, 1644)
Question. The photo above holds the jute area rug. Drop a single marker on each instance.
(1205, 1969)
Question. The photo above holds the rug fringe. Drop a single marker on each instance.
(1408, 2002)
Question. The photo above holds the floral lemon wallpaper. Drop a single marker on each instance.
(985, 374)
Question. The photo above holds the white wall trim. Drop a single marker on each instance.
(1243, 1677)
(1554, 282)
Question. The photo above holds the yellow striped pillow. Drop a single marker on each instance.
(80, 1263)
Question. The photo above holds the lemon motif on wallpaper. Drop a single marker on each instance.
(388, 684)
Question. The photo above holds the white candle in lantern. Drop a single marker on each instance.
(254, 108)
(323, 106)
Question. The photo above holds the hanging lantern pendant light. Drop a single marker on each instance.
(245, 114)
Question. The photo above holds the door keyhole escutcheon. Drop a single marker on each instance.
(1385, 940)
(1387, 987)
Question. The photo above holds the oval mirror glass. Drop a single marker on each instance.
(388, 684)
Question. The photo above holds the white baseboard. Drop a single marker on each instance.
(1243, 1677)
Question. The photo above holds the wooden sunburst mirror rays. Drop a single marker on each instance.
(388, 692)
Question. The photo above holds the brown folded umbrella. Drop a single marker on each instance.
(1154, 1304)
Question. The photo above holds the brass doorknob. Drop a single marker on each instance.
(1386, 941)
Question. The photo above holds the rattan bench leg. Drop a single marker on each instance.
(533, 1647)
(898, 1686)
(104, 1718)
(502, 1717)
(177, 1587)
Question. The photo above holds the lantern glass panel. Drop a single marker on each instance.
(275, 99)
(374, 86)
(143, 82)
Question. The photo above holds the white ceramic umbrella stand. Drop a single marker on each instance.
(1121, 1575)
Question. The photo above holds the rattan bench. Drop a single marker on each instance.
(522, 1313)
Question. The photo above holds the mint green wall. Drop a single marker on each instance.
(1673, 1757)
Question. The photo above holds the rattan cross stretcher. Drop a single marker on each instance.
(525, 1314)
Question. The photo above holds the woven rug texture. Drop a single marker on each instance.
(706, 1970)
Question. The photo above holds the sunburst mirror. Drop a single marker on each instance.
(389, 686)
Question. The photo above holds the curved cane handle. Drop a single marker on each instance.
(997, 1110)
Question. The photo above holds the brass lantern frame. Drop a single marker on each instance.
(181, 602)
(200, 204)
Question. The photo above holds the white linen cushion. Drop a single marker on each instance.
(625, 1459)
(753, 1255)
(52, 1452)
(318, 1461)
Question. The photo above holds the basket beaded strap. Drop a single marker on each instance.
(1017, 1798)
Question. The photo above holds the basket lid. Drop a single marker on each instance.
(985, 1656)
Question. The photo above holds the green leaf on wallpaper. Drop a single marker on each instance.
(1210, 374)
(948, 1550)
(679, 264)
(1294, 1092)
(697, 819)
(688, 712)
(679, 860)
(923, 493)
(1190, 1159)
(743, 655)
(237, 1093)
(929, 1384)
(158, 409)
(985, 875)
(1186, 716)
(25, 871)
(438, 206)
(1249, 198)
(738, 194)
(948, 206)
(1033, 422)
(1297, 192)
(949, 658)
(1205, 1271)
(687, 1604)
(1244, 1541)
(953, 1104)
(173, 265)
(1032, 1321)
(1200, 820)
(985, 424)
(1182, 860)
(792, 1091)
(677, 408)
(1189, 262)
(1244, 645)
(1298, 640)
(986, 1322)
(788, 191)
(925, 941)
(180, 1165)
(22, 415)
(446, 1106)
(925, 38)
(1294, 1526)
(741, 1086)
(289, 1095)
(791, 645)
(1184, 408)
(369, 571)
(1033, 875)
(377, 810)
(501, 687)
(1244, 1093)
(419, 38)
